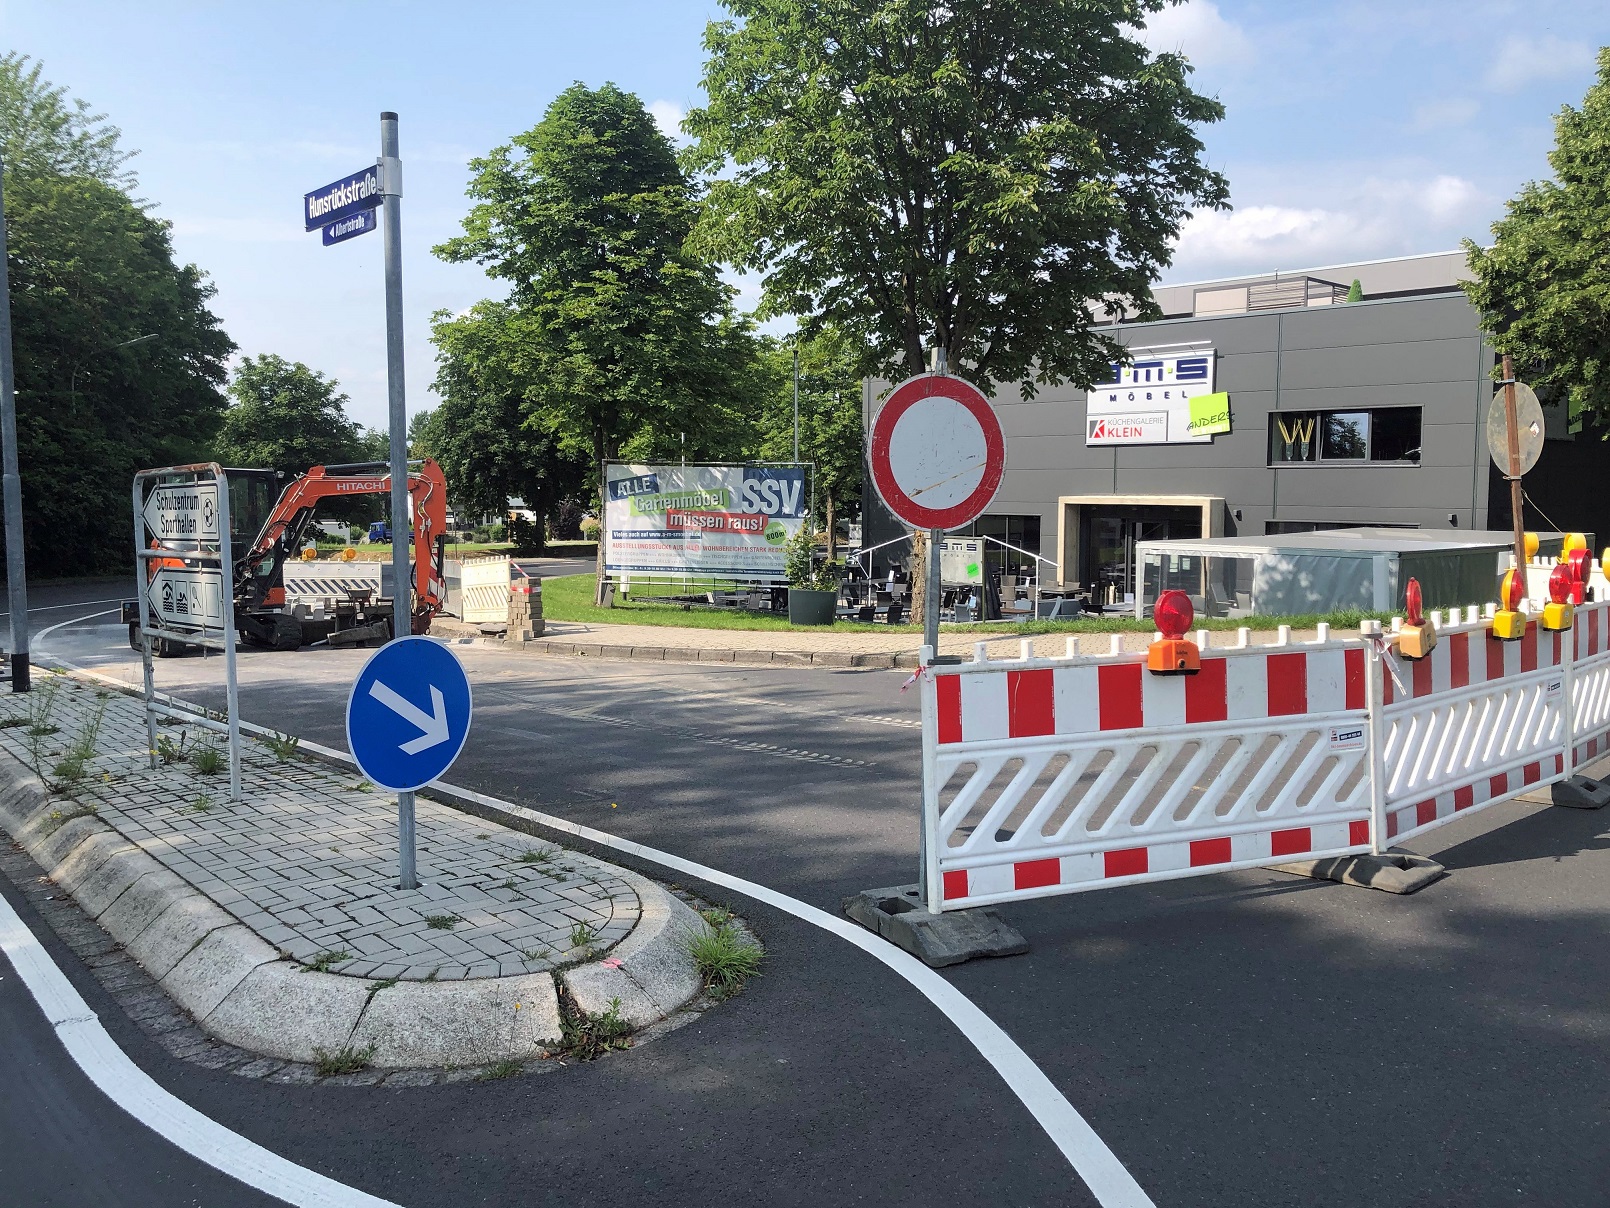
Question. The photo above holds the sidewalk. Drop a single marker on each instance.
(828, 647)
(276, 920)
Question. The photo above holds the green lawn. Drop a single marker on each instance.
(473, 549)
(570, 598)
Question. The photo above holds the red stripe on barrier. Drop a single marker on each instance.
(1209, 851)
(1495, 657)
(1556, 661)
(1386, 689)
(1358, 833)
(1559, 764)
(1031, 874)
(948, 694)
(1529, 648)
(1130, 862)
(1288, 684)
(1464, 798)
(1425, 812)
(1030, 704)
(1206, 697)
(1421, 670)
(1291, 842)
(1391, 826)
(1118, 690)
(1497, 786)
(1353, 676)
(956, 884)
(1458, 660)
(1532, 773)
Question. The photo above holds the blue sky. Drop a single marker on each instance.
(1355, 129)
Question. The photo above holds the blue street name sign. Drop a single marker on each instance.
(351, 226)
(409, 713)
(360, 191)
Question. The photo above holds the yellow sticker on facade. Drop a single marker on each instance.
(1210, 414)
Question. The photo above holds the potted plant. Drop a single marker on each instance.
(813, 591)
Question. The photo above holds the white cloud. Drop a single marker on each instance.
(1375, 217)
(1200, 32)
(668, 116)
(1445, 113)
(1521, 61)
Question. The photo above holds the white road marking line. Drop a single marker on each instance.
(136, 1092)
(1107, 1177)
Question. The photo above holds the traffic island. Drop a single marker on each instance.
(276, 924)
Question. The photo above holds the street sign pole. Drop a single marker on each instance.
(11, 493)
(1512, 427)
(401, 586)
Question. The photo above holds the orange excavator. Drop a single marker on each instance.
(262, 617)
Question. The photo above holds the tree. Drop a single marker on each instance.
(613, 339)
(480, 433)
(118, 361)
(286, 417)
(44, 133)
(1543, 286)
(981, 175)
(1355, 291)
(830, 434)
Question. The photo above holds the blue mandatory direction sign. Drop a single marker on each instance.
(360, 191)
(409, 713)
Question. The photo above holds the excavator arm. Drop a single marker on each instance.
(260, 580)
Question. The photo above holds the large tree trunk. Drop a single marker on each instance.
(603, 499)
(919, 575)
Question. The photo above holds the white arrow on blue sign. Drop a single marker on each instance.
(409, 713)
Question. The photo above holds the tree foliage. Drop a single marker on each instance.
(43, 132)
(284, 416)
(980, 174)
(89, 271)
(92, 279)
(830, 434)
(1543, 286)
(613, 339)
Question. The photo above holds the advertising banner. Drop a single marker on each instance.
(707, 521)
(1150, 401)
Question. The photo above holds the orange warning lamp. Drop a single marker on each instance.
(1173, 653)
(1557, 612)
(1509, 623)
(1418, 637)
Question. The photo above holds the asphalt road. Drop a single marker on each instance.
(1247, 1038)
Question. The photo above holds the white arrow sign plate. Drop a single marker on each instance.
(183, 513)
(188, 598)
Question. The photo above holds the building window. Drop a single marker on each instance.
(1023, 532)
(1382, 435)
(1273, 528)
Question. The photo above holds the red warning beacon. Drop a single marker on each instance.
(1557, 613)
(1509, 623)
(1418, 637)
(1173, 653)
(1580, 563)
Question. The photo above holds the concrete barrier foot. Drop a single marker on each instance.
(1391, 872)
(937, 940)
(1581, 793)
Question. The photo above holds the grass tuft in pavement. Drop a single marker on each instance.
(326, 960)
(441, 922)
(725, 957)
(345, 1060)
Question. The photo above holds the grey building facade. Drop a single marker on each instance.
(1341, 414)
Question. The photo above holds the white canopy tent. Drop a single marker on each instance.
(1328, 571)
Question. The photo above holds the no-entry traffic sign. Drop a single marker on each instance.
(938, 452)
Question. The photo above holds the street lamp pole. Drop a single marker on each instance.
(796, 396)
(11, 490)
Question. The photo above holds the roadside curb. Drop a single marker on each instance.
(459, 634)
(240, 989)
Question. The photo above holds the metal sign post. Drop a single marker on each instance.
(403, 603)
(1512, 431)
(184, 568)
(16, 570)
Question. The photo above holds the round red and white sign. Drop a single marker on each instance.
(938, 452)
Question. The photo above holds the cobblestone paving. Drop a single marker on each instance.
(308, 859)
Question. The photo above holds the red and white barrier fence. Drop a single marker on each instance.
(1050, 776)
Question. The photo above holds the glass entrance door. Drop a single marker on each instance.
(1107, 543)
